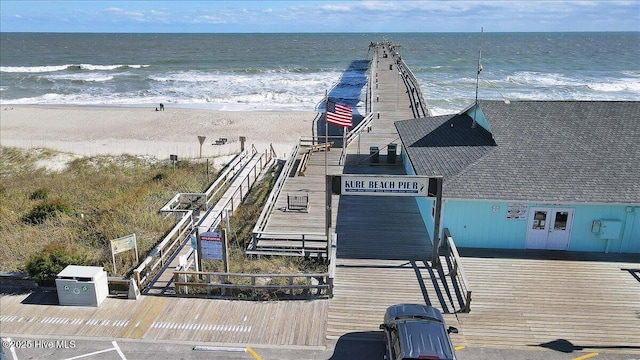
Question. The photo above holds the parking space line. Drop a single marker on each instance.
(115, 347)
(12, 349)
(253, 353)
(586, 356)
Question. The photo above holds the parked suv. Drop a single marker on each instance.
(415, 331)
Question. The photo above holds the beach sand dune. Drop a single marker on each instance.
(92, 131)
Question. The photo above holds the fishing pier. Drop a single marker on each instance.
(378, 250)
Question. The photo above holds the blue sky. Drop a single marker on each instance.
(318, 16)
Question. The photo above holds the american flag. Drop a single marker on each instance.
(338, 114)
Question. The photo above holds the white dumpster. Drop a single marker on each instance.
(82, 285)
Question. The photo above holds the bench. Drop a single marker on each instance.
(298, 202)
(302, 165)
(323, 146)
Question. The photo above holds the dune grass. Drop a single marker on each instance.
(107, 197)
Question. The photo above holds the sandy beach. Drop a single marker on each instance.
(89, 131)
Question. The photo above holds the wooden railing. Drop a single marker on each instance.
(163, 251)
(183, 201)
(215, 214)
(273, 196)
(418, 105)
(252, 286)
(457, 272)
(185, 226)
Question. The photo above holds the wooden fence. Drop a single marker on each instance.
(258, 286)
(252, 286)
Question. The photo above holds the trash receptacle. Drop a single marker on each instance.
(374, 155)
(82, 285)
(391, 154)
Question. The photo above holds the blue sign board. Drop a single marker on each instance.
(211, 245)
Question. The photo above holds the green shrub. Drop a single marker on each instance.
(159, 177)
(47, 210)
(40, 194)
(45, 266)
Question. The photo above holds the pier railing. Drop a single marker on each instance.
(457, 272)
(275, 192)
(418, 105)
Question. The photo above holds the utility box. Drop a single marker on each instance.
(610, 229)
(82, 285)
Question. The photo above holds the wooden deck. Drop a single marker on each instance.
(554, 300)
(166, 318)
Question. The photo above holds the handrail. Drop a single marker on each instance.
(184, 227)
(277, 187)
(142, 272)
(458, 271)
(366, 121)
(414, 81)
(210, 219)
(230, 171)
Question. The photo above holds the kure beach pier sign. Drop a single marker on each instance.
(401, 185)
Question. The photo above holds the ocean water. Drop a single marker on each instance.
(293, 71)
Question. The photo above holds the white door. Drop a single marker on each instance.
(549, 228)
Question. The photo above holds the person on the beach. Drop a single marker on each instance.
(161, 107)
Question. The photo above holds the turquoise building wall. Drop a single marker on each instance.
(484, 224)
(425, 205)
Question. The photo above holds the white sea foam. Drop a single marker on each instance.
(542, 79)
(631, 85)
(32, 69)
(89, 77)
(53, 68)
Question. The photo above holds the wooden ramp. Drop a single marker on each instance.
(241, 183)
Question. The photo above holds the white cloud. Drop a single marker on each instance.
(336, 7)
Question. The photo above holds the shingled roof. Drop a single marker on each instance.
(560, 151)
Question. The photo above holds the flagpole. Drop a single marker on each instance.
(326, 132)
(475, 109)
(344, 143)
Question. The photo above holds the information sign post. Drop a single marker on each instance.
(121, 245)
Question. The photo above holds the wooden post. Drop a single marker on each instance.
(198, 251)
(435, 258)
(225, 253)
(328, 183)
